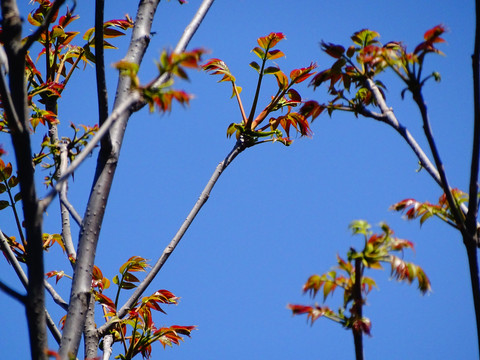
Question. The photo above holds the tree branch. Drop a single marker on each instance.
(5, 93)
(12, 259)
(106, 166)
(64, 208)
(418, 98)
(472, 214)
(13, 293)
(56, 296)
(102, 94)
(107, 347)
(239, 147)
(187, 35)
(90, 332)
(33, 216)
(23, 278)
(389, 118)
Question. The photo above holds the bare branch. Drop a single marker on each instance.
(53, 328)
(102, 94)
(65, 206)
(107, 347)
(33, 216)
(418, 98)
(11, 292)
(90, 332)
(106, 166)
(389, 118)
(187, 36)
(471, 220)
(12, 259)
(69, 207)
(105, 171)
(5, 93)
(23, 278)
(56, 296)
(239, 147)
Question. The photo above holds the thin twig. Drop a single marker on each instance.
(240, 146)
(56, 296)
(11, 292)
(389, 118)
(187, 35)
(24, 280)
(102, 181)
(5, 94)
(459, 219)
(12, 259)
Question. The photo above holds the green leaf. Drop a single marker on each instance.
(4, 204)
(365, 37)
(238, 88)
(359, 227)
(328, 288)
(116, 280)
(3, 188)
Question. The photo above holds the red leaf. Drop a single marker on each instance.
(299, 75)
(269, 41)
(333, 50)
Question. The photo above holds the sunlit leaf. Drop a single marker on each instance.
(269, 41)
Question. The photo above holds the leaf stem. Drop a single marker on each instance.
(248, 125)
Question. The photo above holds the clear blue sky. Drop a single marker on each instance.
(278, 214)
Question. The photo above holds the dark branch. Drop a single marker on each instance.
(13, 293)
(102, 94)
(471, 221)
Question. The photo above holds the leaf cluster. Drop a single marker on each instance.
(171, 65)
(62, 58)
(425, 210)
(378, 248)
(139, 321)
(276, 128)
(365, 59)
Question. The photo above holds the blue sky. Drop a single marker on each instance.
(277, 214)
